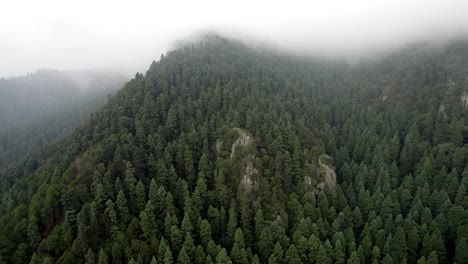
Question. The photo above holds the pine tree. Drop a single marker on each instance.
(199, 195)
(413, 245)
(232, 225)
(354, 258)
(199, 255)
(339, 254)
(461, 251)
(212, 249)
(147, 221)
(422, 260)
(183, 257)
(102, 257)
(130, 180)
(205, 232)
(35, 259)
(292, 256)
(255, 260)
(272, 260)
(238, 253)
(398, 246)
(259, 224)
(265, 244)
(90, 258)
(122, 208)
(322, 256)
(140, 196)
(222, 257)
(387, 259)
(278, 253)
(162, 250)
(314, 246)
(168, 256)
(175, 238)
(432, 259)
(375, 255)
(186, 226)
(153, 191)
(245, 218)
(189, 245)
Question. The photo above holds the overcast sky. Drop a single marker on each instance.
(128, 35)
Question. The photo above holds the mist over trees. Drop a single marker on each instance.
(225, 154)
(43, 107)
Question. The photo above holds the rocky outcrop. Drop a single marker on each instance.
(464, 100)
(243, 140)
(442, 111)
(326, 173)
(385, 93)
(219, 146)
(247, 178)
(247, 160)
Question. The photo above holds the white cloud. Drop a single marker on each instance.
(128, 35)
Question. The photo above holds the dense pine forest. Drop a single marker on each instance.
(222, 153)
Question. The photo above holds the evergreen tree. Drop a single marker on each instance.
(35, 259)
(205, 232)
(223, 258)
(168, 256)
(432, 259)
(398, 245)
(183, 257)
(292, 256)
(102, 257)
(140, 196)
(354, 258)
(461, 251)
(90, 258)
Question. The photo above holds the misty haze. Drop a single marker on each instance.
(244, 132)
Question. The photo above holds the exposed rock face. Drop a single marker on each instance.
(328, 175)
(464, 100)
(219, 146)
(325, 175)
(246, 161)
(385, 94)
(442, 111)
(250, 172)
(243, 140)
(307, 180)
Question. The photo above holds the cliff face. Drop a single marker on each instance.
(464, 100)
(246, 158)
(327, 174)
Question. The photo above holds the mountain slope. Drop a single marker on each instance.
(43, 107)
(222, 153)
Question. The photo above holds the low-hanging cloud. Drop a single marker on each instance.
(128, 35)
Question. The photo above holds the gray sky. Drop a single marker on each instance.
(128, 35)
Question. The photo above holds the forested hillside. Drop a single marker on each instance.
(43, 107)
(225, 154)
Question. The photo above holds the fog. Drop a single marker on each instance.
(127, 35)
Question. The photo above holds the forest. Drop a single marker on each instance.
(223, 153)
(45, 106)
